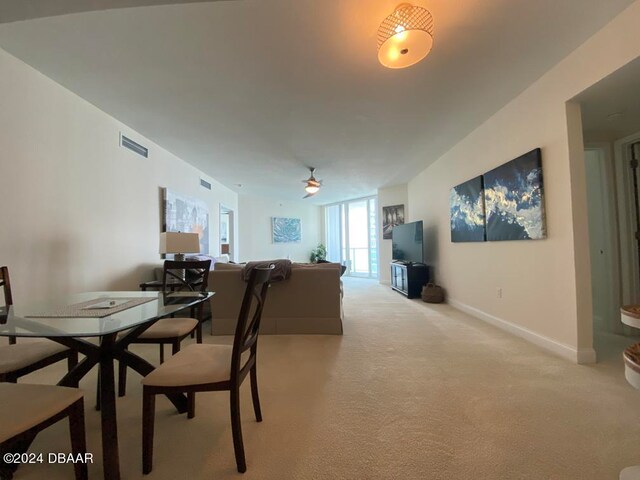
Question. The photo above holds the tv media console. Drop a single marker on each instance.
(409, 278)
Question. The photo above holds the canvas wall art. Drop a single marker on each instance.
(286, 230)
(467, 211)
(514, 199)
(391, 216)
(186, 214)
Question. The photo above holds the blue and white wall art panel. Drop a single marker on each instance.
(467, 212)
(514, 199)
(286, 230)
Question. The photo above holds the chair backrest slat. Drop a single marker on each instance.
(192, 275)
(248, 326)
(5, 283)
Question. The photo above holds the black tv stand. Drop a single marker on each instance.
(408, 278)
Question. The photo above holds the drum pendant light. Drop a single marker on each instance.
(405, 37)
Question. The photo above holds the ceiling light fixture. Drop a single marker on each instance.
(405, 37)
(312, 184)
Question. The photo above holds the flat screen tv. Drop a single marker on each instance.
(407, 242)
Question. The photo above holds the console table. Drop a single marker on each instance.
(409, 278)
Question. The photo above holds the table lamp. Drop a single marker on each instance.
(179, 243)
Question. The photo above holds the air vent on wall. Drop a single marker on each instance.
(135, 147)
(205, 184)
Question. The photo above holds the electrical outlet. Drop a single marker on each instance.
(499, 292)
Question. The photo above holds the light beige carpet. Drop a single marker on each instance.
(411, 391)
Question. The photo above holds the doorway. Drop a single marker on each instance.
(351, 236)
(226, 240)
(610, 115)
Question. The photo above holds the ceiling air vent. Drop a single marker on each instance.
(205, 184)
(135, 147)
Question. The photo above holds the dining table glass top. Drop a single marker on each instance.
(31, 320)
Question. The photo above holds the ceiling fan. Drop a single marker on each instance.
(313, 185)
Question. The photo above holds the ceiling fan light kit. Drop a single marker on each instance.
(405, 37)
(313, 185)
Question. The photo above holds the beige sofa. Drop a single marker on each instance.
(308, 302)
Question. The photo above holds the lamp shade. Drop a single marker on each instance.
(405, 37)
(178, 242)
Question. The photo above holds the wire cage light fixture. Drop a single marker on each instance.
(405, 37)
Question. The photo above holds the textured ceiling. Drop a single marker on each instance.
(252, 91)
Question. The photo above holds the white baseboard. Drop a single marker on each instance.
(581, 356)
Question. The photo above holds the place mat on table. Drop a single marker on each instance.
(80, 310)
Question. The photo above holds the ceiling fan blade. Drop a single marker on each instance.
(309, 195)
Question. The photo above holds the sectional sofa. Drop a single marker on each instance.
(308, 302)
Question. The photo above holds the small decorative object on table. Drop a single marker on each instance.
(432, 293)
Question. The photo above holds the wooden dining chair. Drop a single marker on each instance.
(28, 409)
(19, 359)
(206, 368)
(177, 276)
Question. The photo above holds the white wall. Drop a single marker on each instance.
(389, 196)
(254, 232)
(79, 212)
(546, 283)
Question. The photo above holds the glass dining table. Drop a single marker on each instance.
(115, 319)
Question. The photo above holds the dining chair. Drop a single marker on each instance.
(19, 359)
(28, 409)
(207, 367)
(177, 276)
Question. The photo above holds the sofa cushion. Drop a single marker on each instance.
(229, 266)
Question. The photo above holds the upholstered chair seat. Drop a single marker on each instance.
(28, 409)
(194, 365)
(25, 406)
(21, 355)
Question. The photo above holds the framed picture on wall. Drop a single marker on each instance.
(286, 230)
(391, 216)
(514, 199)
(466, 204)
(186, 214)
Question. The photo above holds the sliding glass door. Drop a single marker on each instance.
(351, 236)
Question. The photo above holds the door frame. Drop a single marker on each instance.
(628, 257)
(223, 209)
